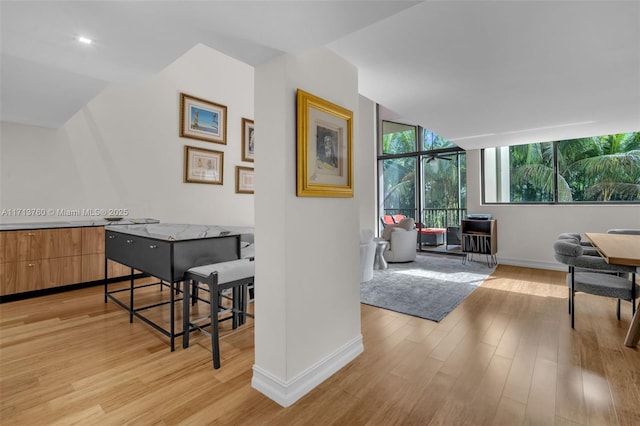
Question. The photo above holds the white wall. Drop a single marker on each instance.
(526, 233)
(307, 249)
(364, 151)
(122, 150)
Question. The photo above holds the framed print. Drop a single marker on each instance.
(247, 140)
(244, 180)
(202, 120)
(324, 148)
(203, 165)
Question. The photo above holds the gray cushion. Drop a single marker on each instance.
(230, 271)
(569, 236)
(624, 231)
(602, 285)
(567, 247)
(569, 252)
(589, 250)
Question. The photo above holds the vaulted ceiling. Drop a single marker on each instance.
(480, 73)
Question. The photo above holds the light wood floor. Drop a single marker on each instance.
(506, 356)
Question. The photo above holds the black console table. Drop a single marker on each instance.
(166, 251)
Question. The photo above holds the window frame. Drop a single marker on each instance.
(555, 188)
(418, 154)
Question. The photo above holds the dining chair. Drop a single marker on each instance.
(624, 231)
(593, 275)
(587, 248)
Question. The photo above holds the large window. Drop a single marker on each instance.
(598, 169)
(422, 176)
(398, 138)
(431, 141)
(444, 184)
(399, 168)
(399, 186)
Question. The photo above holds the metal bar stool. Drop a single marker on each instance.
(236, 275)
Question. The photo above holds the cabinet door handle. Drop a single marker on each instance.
(152, 246)
(111, 237)
(31, 234)
(129, 241)
(30, 265)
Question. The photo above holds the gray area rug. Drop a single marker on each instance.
(430, 287)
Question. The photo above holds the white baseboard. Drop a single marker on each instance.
(287, 392)
(553, 266)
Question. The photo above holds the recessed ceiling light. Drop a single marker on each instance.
(84, 40)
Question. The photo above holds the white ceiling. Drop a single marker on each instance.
(480, 73)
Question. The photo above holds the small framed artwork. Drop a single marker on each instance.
(244, 180)
(324, 162)
(202, 120)
(247, 140)
(203, 165)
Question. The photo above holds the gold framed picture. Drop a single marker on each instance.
(324, 148)
(203, 120)
(244, 180)
(203, 165)
(247, 140)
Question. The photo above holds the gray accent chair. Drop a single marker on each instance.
(588, 249)
(624, 231)
(593, 275)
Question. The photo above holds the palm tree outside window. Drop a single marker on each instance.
(599, 169)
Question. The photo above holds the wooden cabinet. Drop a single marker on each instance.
(92, 267)
(481, 237)
(93, 257)
(9, 246)
(92, 254)
(93, 240)
(39, 259)
(115, 269)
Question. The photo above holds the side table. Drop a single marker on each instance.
(381, 246)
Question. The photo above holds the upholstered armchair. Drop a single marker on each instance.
(624, 231)
(593, 275)
(367, 254)
(587, 248)
(402, 239)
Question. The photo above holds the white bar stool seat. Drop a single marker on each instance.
(237, 275)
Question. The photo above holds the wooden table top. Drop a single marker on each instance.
(617, 249)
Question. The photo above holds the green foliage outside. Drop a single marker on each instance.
(399, 173)
(600, 168)
(434, 141)
(441, 177)
(442, 183)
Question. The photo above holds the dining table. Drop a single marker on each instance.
(621, 249)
